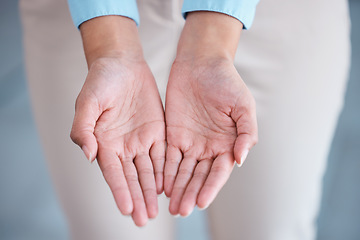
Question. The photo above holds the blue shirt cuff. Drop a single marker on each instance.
(83, 10)
(243, 10)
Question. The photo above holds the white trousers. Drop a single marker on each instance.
(294, 60)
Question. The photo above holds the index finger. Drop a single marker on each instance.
(112, 170)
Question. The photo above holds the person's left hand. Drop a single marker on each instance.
(211, 123)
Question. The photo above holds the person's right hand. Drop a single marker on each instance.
(119, 120)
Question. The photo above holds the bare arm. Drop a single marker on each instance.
(119, 117)
(210, 113)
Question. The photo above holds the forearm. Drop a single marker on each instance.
(110, 36)
(209, 34)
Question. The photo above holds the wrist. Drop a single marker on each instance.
(110, 37)
(209, 35)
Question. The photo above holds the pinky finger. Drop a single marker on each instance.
(173, 159)
(157, 155)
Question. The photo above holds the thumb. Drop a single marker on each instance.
(247, 132)
(242, 147)
(82, 132)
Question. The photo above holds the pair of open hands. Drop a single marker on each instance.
(188, 151)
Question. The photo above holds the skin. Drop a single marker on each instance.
(210, 113)
(119, 118)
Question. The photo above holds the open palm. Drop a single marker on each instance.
(210, 123)
(119, 120)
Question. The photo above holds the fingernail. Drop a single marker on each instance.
(203, 208)
(90, 158)
(188, 214)
(87, 153)
(243, 157)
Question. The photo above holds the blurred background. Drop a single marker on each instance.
(28, 206)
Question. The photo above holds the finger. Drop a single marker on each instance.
(183, 177)
(219, 174)
(247, 132)
(157, 155)
(112, 170)
(82, 132)
(243, 144)
(147, 181)
(188, 201)
(173, 158)
(139, 213)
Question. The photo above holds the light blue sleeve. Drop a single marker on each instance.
(243, 10)
(83, 10)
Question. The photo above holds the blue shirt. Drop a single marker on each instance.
(83, 10)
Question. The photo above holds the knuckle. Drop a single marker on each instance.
(119, 189)
(78, 135)
(73, 135)
(169, 176)
(158, 158)
(110, 169)
(138, 198)
(146, 171)
(127, 159)
(200, 175)
(159, 171)
(178, 189)
(219, 169)
(184, 172)
(192, 192)
(131, 178)
(149, 192)
(172, 161)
